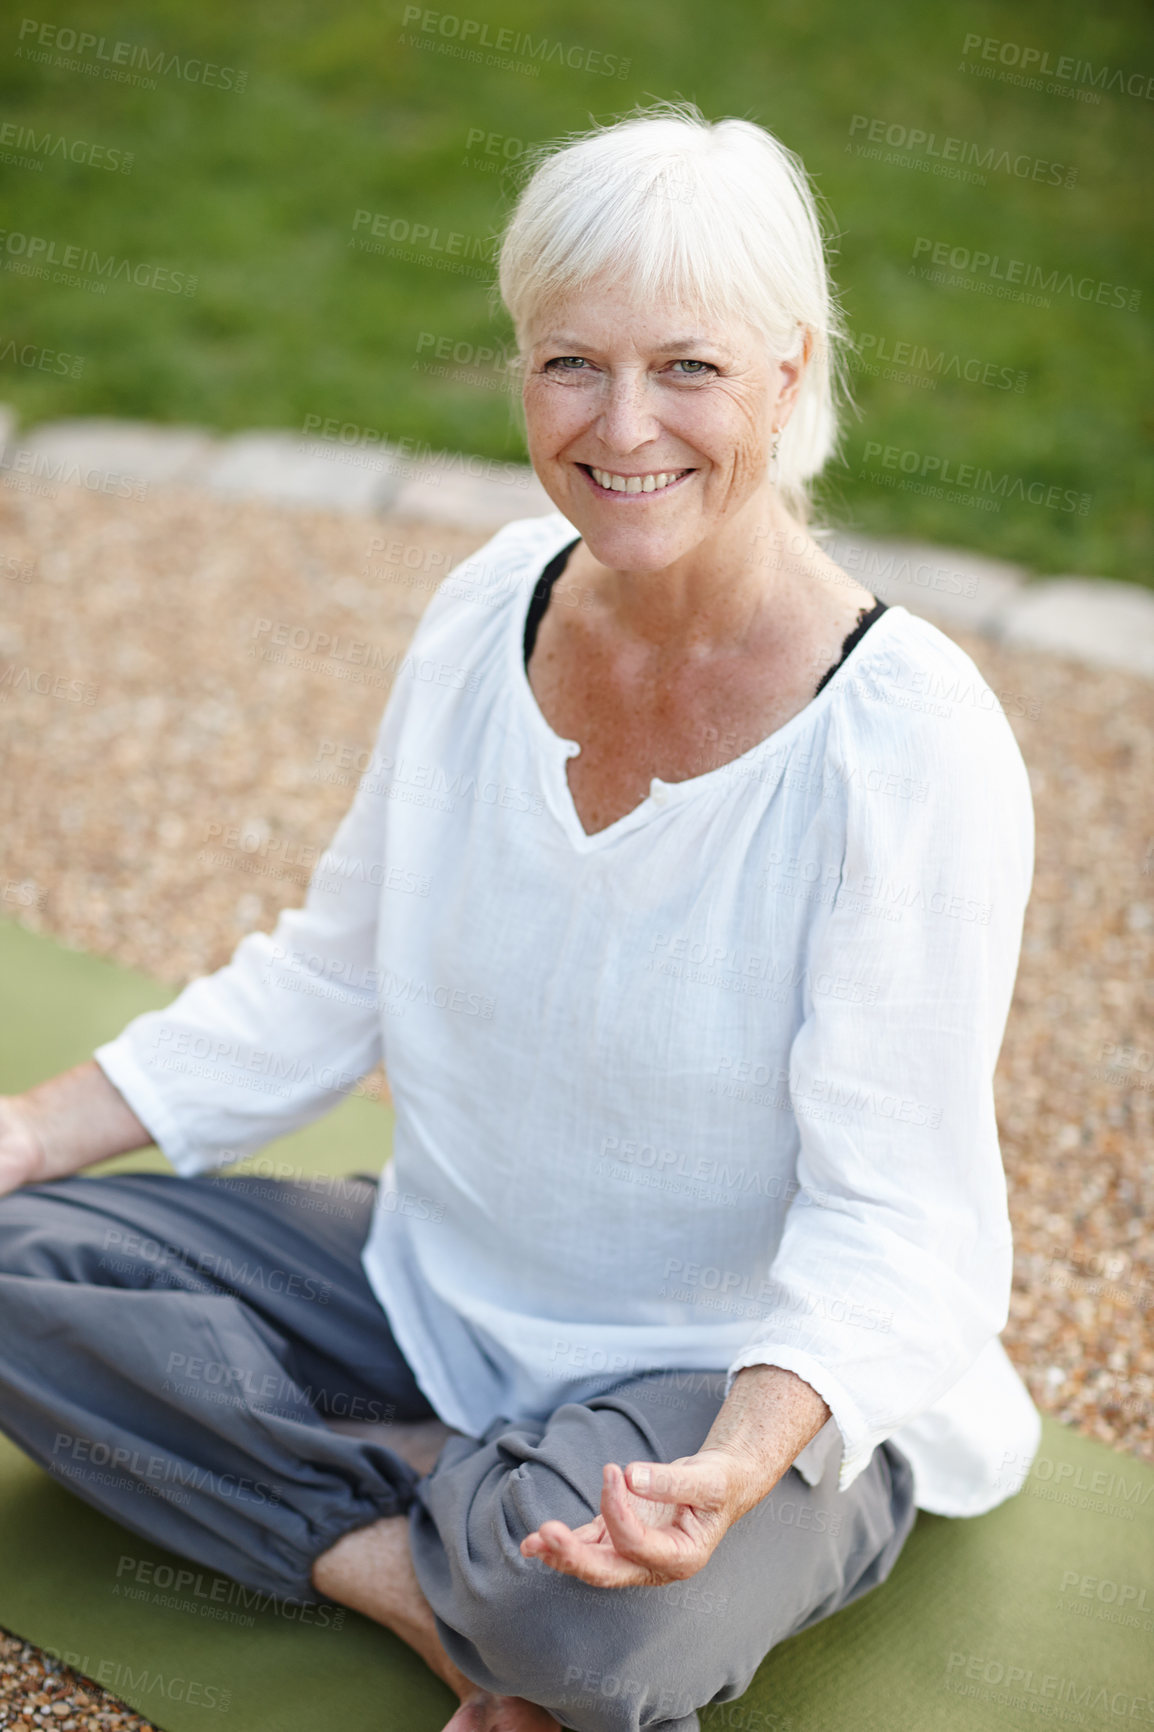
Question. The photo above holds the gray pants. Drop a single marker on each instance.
(170, 1350)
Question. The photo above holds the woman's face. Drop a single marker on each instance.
(651, 429)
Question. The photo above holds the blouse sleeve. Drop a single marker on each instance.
(893, 1272)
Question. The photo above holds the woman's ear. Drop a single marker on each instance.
(790, 375)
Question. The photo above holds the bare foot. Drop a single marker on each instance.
(482, 1712)
(371, 1569)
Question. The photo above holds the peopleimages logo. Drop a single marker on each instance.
(123, 1680)
(149, 1581)
(122, 62)
(981, 485)
(905, 359)
(1013, 272)
(48, 144)
(17, 354)
(473, 39)
(913, 143)
(41, 251)
(1034, 64)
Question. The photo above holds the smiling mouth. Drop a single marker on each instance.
(657, 481)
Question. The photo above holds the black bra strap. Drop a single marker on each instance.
(541, 594)
(864, 620)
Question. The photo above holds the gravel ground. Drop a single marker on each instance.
(36, 1691)
(169, 788)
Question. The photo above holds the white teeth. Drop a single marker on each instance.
(634, 483)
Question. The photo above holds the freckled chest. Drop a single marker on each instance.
(639, 713)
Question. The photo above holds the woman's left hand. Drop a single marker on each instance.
(660, 1522)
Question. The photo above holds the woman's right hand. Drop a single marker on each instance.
(21, 1154)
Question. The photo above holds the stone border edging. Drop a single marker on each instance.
(1096, 620)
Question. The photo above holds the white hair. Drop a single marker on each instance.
(717, 217)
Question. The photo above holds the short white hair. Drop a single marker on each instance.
(719, 217)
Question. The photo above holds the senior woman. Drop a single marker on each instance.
(686, 1276)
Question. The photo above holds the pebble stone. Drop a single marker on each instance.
(37, 1691)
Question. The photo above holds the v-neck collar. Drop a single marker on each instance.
(555, 751)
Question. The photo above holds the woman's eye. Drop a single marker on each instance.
(566, 363)
(695, 368)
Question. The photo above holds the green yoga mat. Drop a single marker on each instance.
(1042, 1609)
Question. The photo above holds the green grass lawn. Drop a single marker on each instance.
(348, 107)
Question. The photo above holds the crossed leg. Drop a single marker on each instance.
(166, 1358)
(546, 1650)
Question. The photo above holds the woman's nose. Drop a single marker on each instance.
(628, 418)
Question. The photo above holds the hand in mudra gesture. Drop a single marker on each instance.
(659, 1522)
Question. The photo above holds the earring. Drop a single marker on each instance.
(776, 443)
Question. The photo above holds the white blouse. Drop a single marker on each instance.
(709, 1088)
